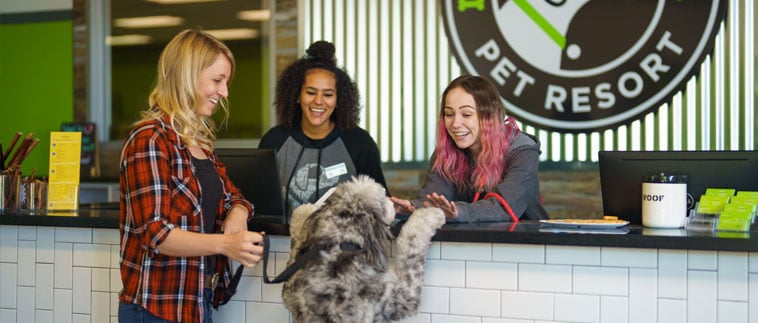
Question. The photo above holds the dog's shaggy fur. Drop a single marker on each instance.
(358, 286)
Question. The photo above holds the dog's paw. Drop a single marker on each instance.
(423, 219)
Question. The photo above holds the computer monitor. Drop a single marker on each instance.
(621, 175)
(254, 172)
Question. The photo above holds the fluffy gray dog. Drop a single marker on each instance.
(351, 279)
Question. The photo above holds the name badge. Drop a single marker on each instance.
(335, 170)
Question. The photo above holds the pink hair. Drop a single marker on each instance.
(495, 136)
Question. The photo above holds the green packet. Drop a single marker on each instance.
(735, 212)
(728, 192)
(711, 204)
(748, 194)
(733, 225)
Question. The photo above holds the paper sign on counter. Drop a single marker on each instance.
(65, 165)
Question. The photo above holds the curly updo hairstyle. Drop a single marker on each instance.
(319, 55)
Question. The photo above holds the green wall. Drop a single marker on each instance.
(36, 84)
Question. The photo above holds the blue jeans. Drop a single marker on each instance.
(134, 313)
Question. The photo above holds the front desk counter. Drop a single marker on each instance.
(527, 232)
(67, 265)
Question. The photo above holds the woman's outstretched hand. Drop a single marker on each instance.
(440, 201)
(402, 206)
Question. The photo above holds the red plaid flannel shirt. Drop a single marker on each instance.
(159, 191)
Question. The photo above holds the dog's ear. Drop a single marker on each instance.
(299, 215)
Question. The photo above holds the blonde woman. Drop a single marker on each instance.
(181, 218)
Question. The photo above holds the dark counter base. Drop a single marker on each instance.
(501, 232)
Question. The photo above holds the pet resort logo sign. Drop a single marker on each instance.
(581, 65)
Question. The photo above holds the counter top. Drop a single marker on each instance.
(631, 236)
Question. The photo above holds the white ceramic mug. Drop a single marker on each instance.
(664, 201)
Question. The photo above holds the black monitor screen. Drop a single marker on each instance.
(254, 172)
(621, 175)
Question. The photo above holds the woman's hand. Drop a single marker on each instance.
(437, 200)
(244, 247)
(402, 206)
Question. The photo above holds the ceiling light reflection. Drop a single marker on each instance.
(148, 22)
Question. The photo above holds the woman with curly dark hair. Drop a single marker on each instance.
(318, 141)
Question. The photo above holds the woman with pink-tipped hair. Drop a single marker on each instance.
(483, 168)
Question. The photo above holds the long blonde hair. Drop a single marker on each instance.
(175, 91)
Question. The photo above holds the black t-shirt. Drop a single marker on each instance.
(212, 191)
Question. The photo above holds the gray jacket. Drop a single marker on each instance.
(519, 187)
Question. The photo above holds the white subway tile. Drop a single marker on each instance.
(643, 294)
(544, 278)
(732, 312)
(672, 274)
(601, 280)
(25, 307)
(701, 296)
(572, 255)
(62, 308)
(249, 289)
(43, 315)
(500, 320)
(753, 302)
(702, 260)
(105, 236)
(26, 262)
(466, 251)
(45, 245)
(81, 318)
(672, 311)
(101, 307)
(92, 255)
(280, 265)
(418, 318)
(614, 309)
(114, 282)
(115, 256)
(27, 233)
(114, 305)
(271, 293)
(445, 273)
(44, 287)
(64, 262)
(8, 284)
(752, 262)
(435, 250)
(101, 279)
(265, 312)
(257, 271)
(435, 300)
(474, 302)
(8, 243)
(732, 276)
(279, 243)
(443, 318)
(232, 312)
(491, 275)
(629, 257)
(75, 235)
(7, 315)
(82, 290)
(577, 308)
(527, 305)
(522, 253)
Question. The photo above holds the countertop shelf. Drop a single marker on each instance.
(631, 236)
